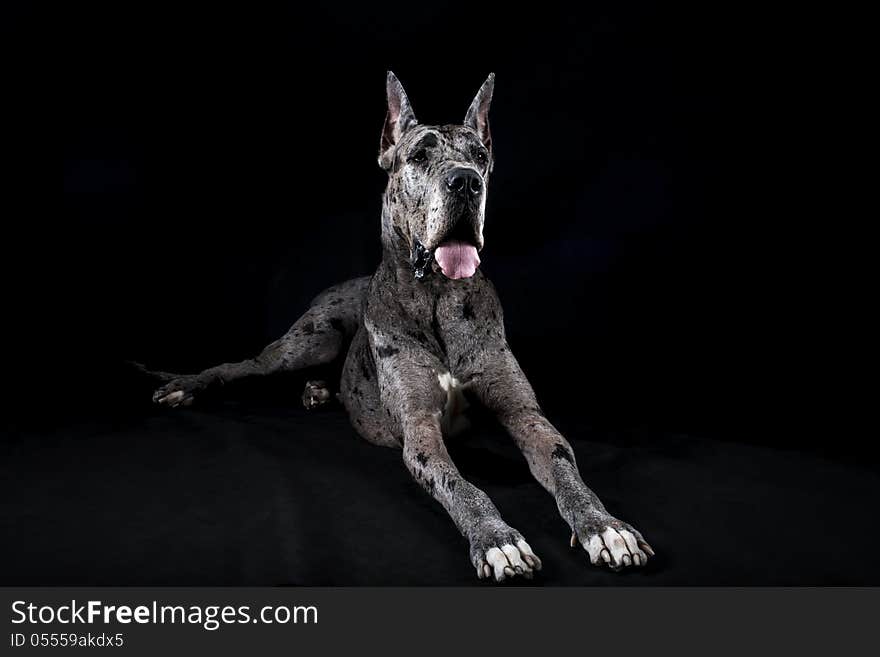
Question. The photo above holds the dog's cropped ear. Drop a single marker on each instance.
(477, 117)
(398, 120)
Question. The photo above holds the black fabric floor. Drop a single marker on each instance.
(238, 494)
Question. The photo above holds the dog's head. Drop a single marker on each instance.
(437, 178)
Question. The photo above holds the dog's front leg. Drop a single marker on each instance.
(411, 392)
(496, 549)
(503, 388)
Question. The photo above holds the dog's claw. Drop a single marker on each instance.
(646, 548)
(615, 544)
(574, 540)
(507, 561)
(528, 556)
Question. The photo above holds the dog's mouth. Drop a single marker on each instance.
(456, 255)
(457, 258)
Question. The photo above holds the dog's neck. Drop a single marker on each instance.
(401, 253)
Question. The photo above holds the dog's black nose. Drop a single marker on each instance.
(461, 181)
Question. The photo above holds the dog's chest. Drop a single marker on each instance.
(453, 421)
(459, 322)
(468, 325)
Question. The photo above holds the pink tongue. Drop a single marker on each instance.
(457, 259)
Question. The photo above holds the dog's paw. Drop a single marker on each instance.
(611, 542)
(315, 394)
(499, 552)
(178, 392)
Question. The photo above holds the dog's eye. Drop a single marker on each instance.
(481, 157)
(419, 157)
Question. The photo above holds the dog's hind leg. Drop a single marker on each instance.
(317, 338)
(309, 343)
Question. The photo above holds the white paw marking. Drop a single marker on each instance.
(594, 547)
(639, 557)
(615, 543)
(497, 561)
(616, 548)
(173, 398)
(513, 557)
(528, 556)
(509, 561)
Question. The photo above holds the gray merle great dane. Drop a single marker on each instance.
(426, 328)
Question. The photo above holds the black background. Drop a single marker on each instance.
(220, 170)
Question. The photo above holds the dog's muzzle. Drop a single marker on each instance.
(457, 252)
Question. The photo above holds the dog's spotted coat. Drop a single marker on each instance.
(417, 340)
